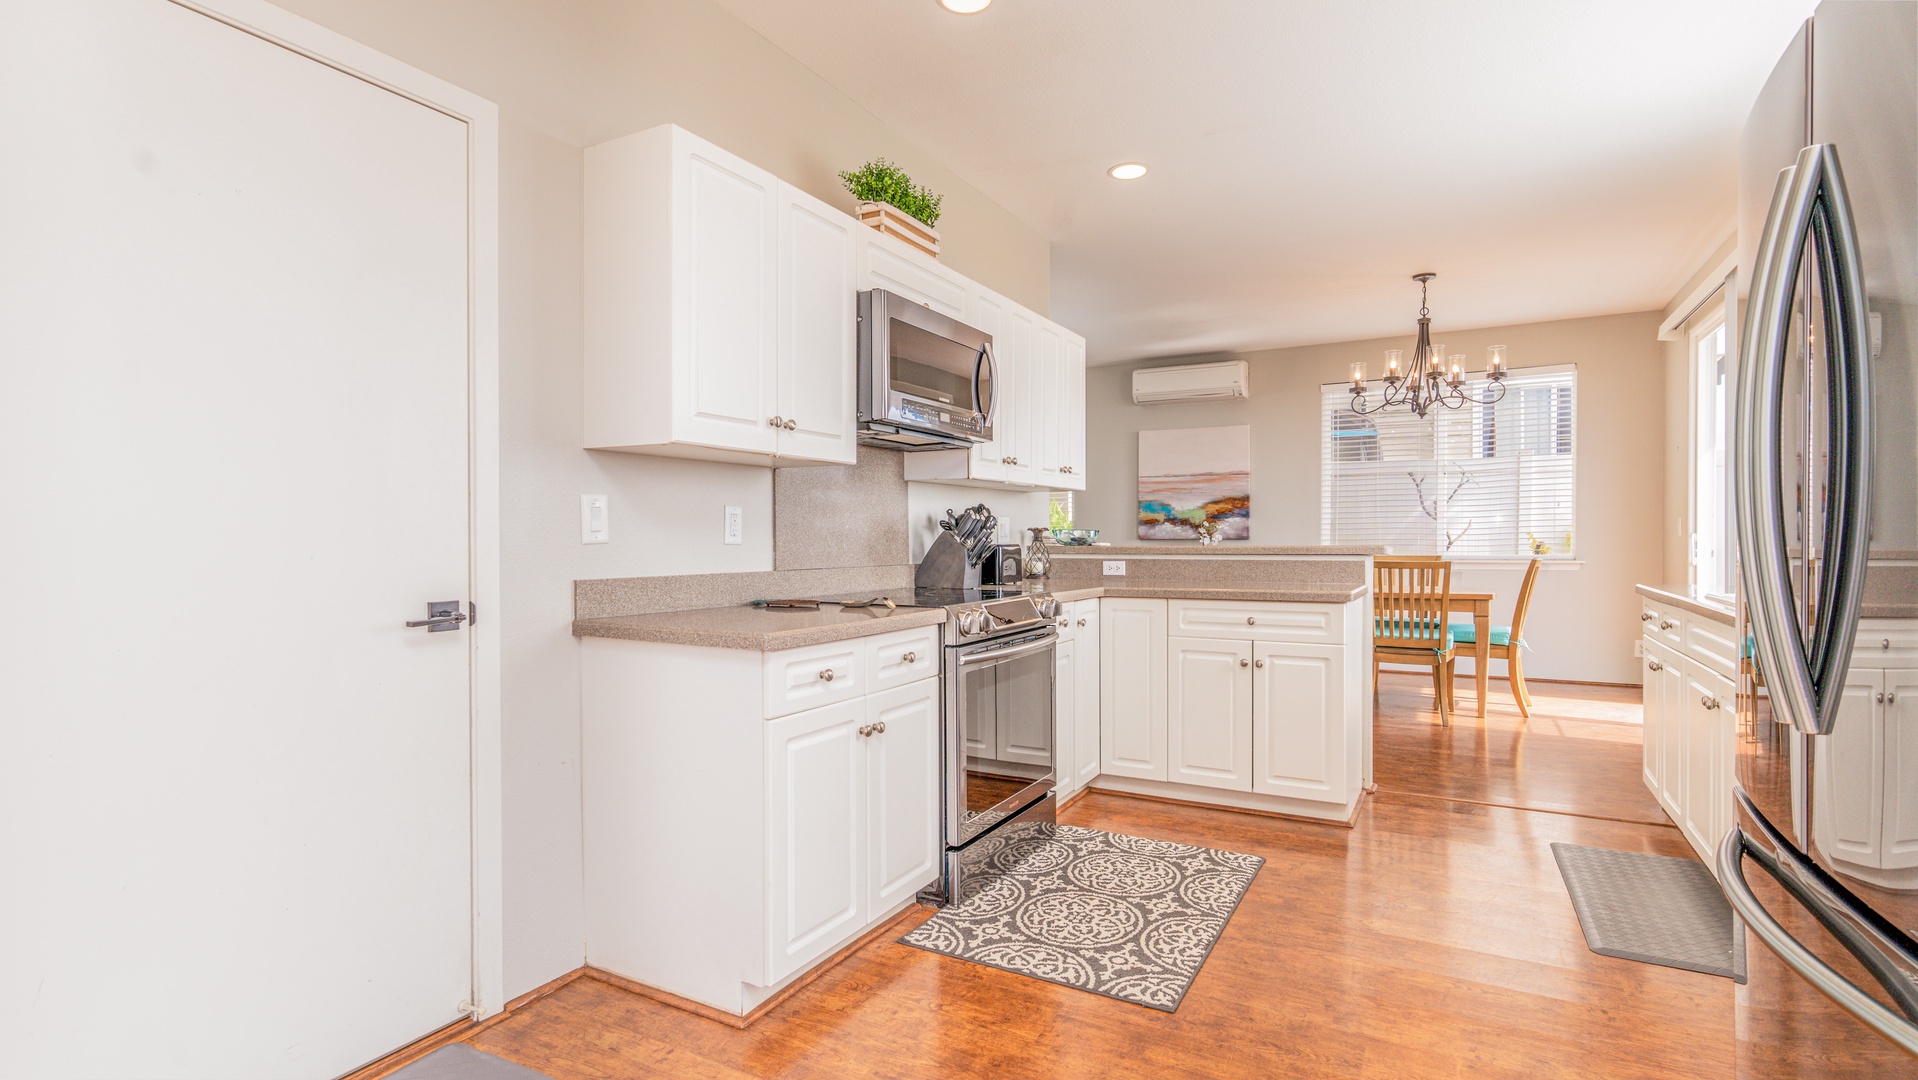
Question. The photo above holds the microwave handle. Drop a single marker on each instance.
(987, 363)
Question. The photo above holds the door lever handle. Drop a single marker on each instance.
(441, 615)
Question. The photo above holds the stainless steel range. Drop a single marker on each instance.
(996, 745)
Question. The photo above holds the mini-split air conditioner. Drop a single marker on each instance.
(1223, 381)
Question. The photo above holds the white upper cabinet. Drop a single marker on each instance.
(719, 308)
(818, 329)
(888, 263)
(722, 323)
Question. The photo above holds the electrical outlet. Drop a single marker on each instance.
(735, 525)
(595, 525)
(1115, 568)
(1638, 647)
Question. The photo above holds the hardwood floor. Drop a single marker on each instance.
(1432, 939)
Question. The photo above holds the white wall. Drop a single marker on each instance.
(1584, 617)
(567, 74)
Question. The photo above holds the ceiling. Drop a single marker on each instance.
(1548, 160)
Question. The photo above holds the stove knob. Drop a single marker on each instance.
(969, 622)
(1048, 607)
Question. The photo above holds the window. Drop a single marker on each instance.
(1712, 543)
(1484, 481)
(1059, 510)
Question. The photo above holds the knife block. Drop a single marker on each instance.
(946, 566)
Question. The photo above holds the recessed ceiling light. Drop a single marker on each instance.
(1129, 170)
(964, 7)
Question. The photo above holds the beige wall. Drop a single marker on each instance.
(1584, 616)
(567, 74)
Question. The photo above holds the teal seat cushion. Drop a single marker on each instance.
(1467, 634)
(1423, 629)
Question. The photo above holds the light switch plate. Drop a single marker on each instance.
(1638, 647)
(1115, 568)
(735, 525)
(595, 524)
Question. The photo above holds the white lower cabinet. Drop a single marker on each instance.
(1864, 811)
(732, 841)
(851, 831)
(1084, 760)
(1301, 747)
(1065, 718)
(1208, 720)
(1271, 710)
(1690, 718)
(1132, 681)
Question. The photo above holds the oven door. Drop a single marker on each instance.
(930, 372)
(999, 701)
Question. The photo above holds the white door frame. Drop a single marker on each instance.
(481, 117)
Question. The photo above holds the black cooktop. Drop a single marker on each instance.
(949, 597)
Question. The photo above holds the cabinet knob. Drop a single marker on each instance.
(1082, 622)
(826, 675)
(777, 421)
(1245, 663)
(1708, 701)
(1666, 624)
(879, 728)
(1656, 666)
(1250, 621)
(1646, 616)
(1258, 663)
(1891, 697)
(791, 425)
(866, 730)
(1885, 644)
(908, 658)
(1881, 698)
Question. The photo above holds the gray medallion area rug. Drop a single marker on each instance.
(1123, 916)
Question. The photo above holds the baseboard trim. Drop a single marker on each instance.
(1073, 798)
(779, 998)
(1348, 823)
(458, 1031)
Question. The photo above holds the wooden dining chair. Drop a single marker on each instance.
(1506, 644)
(1409, 623)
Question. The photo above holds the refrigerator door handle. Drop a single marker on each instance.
(1884, 951)
(1809, 207)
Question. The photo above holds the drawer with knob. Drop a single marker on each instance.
(806, 678)
(1661, 623)
(901, 658)
(1245, 620)
(1885, 643)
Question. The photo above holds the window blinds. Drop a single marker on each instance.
(1481, 481)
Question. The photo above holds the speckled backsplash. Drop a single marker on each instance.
(1212, 571)
(605, 598)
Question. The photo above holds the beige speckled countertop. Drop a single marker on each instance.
(1277, 593)
(1227, 549)
(1689, 599)
(746, 627)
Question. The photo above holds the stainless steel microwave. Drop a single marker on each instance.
(926, 381)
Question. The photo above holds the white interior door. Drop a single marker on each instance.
(234, 456)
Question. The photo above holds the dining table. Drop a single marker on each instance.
(1479, 606)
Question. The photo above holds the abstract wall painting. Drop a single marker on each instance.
(1192, 475)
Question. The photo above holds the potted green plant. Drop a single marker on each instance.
(890, 202)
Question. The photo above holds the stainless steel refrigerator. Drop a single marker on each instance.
(1823, 863)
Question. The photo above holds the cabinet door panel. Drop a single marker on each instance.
(1209, 713)
(1132, 688)
(1708, 703)
(815, 834)
(1074, 407)
(1652, 684)
(729, 291)
(1065, 717)
(902, 771)
(818, 353)
(1051, 404)
(1900, 771)
(1671, 735)
(1298, 722)
(1085, 741)
(1019, 371)
(1848, 774)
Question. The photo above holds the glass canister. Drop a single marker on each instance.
(1038, 560)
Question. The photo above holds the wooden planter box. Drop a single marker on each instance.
(893, 221)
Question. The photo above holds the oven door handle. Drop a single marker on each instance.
(1007, 652)
(1838, 912)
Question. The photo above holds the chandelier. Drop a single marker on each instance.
(1430, 381)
